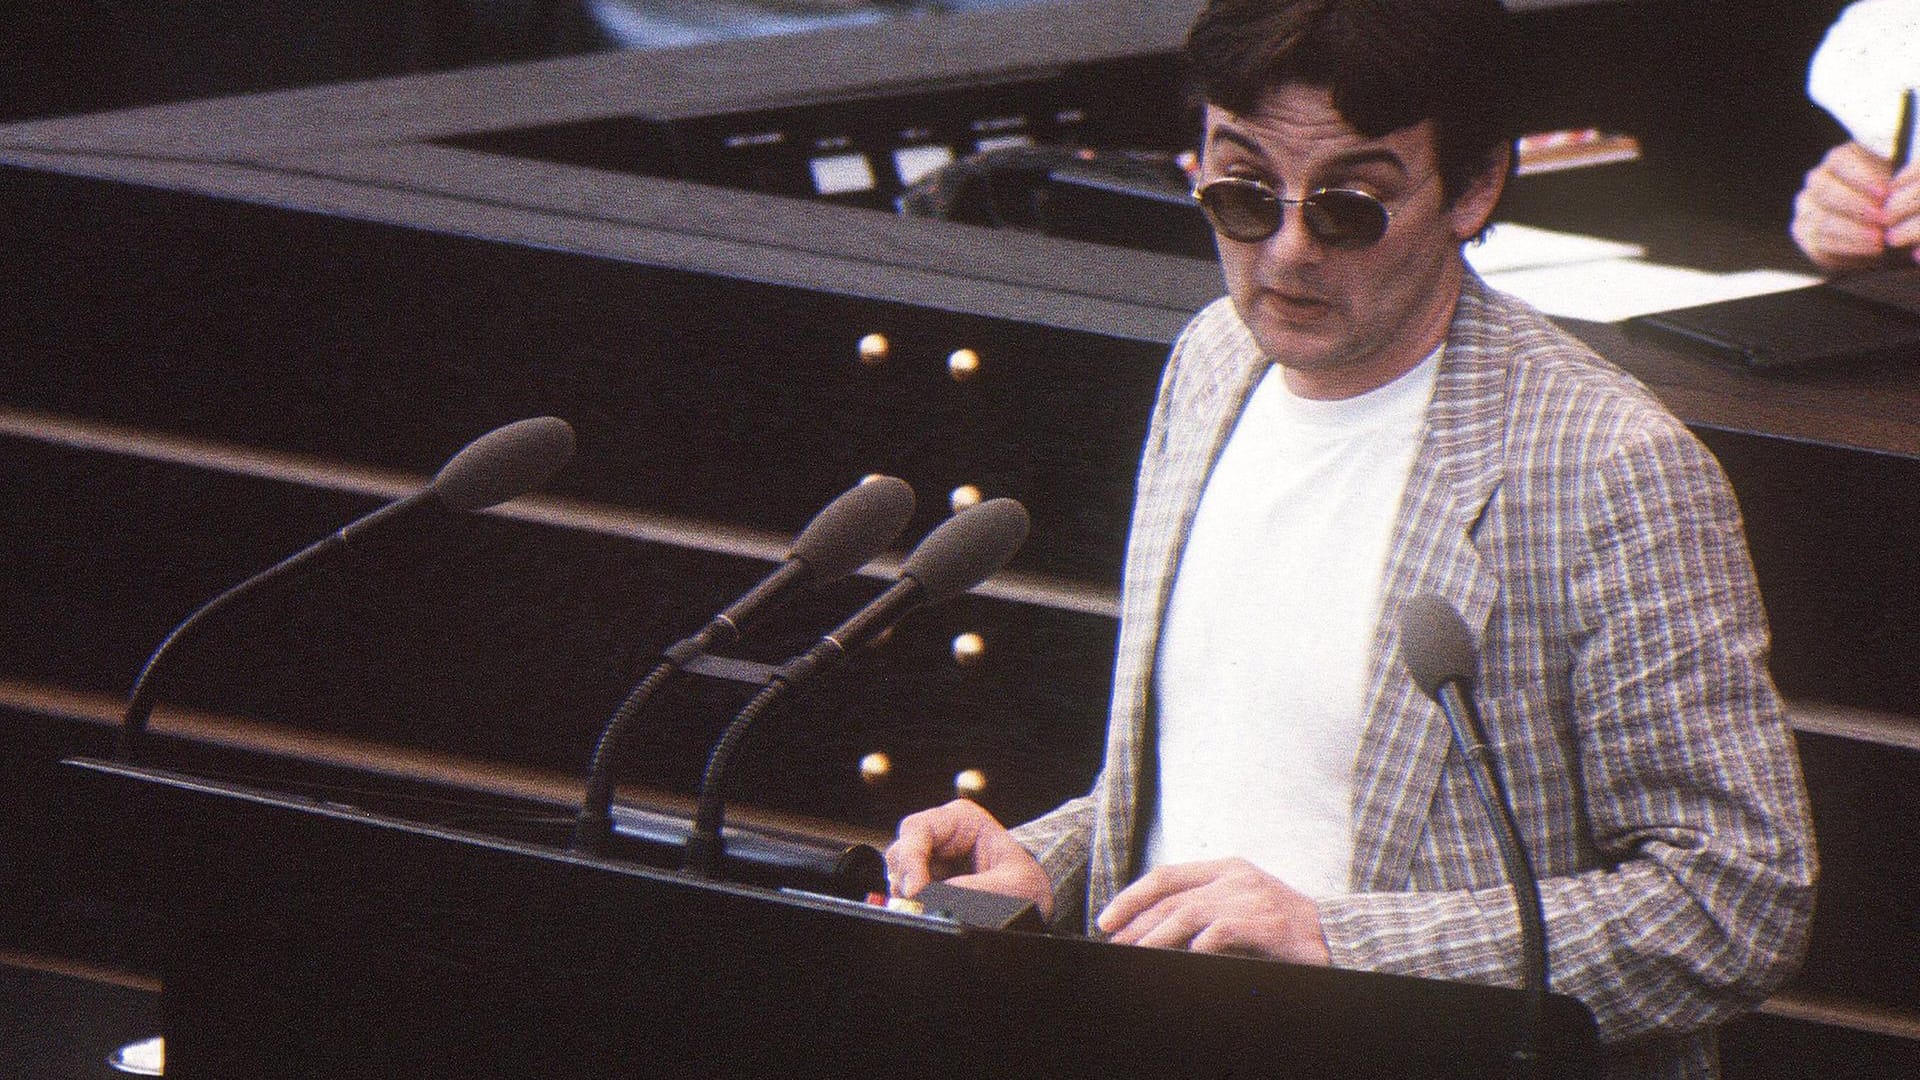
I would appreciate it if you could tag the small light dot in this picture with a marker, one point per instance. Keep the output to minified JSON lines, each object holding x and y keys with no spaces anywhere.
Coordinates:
{"x":874,"y":349}
{"x":875,"y":767}
{"x":963,"y":364}
{"x":969,"y":649}
{"x":964,"y":496}
{"x":968,"y":783}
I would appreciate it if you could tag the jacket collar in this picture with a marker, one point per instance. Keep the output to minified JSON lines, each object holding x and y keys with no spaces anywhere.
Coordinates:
{"x":1456,"y":471}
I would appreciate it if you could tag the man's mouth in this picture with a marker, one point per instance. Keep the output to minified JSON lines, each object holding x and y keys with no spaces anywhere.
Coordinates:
{"x":1298,"y":304}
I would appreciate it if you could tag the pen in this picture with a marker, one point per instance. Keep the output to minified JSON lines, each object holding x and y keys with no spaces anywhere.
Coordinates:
{"x":1902,"y":154}
{"x":1903,"y":133}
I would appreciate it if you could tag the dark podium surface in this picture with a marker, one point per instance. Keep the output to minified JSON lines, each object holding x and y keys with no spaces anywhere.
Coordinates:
{"x":310,"y":938}
{"x":65,"y":1024}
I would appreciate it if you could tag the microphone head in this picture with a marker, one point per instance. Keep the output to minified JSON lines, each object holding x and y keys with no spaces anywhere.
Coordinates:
{"x":1434,"y":644}
{"x":853,"y":528}
{"x":967,"y":548}
{"x":505,"y":462}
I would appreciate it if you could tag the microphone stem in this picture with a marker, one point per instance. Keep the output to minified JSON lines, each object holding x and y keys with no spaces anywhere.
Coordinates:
{"x":140,"y":702}
{"x":724,"y":628}
{"x":1525,"y":1062}
{"x":883,"y":611}
{"x":133,"y":721}
{"x":705,"y":845}
{"x":595,"y":825}
{"x":376,"y":521}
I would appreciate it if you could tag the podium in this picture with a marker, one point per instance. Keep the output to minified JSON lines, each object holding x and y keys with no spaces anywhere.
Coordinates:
{"x":310,"y":938}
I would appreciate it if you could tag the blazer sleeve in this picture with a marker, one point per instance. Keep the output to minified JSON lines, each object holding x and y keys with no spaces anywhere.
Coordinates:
{"x":1689,"y":891}
{"x":1062,"y":841}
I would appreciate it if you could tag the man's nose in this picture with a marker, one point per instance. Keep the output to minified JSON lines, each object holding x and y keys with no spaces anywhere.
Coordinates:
{"x":1293,"y":243}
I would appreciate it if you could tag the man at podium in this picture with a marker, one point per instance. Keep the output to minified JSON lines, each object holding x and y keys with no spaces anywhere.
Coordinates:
{"x":1361,"y":422}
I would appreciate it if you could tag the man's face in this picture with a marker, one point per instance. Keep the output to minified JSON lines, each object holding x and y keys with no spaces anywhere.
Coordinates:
{"x":1342,"y":322}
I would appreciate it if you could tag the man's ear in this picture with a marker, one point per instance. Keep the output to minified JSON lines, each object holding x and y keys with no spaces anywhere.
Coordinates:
{"x":1469,"y":213}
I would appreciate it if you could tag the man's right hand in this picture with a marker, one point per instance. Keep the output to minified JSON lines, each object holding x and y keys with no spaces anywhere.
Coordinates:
{"x":963,"y":845}
{"x":1852,"y":209}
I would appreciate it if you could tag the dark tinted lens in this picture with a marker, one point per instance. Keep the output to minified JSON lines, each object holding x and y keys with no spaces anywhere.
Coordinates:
{"x":1241,"y":210}
{"x":1249,"y":212}
{"x":1344,"y":219}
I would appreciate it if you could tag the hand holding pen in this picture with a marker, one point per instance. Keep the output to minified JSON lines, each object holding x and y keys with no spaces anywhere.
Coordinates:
{"x":1858,"y":210}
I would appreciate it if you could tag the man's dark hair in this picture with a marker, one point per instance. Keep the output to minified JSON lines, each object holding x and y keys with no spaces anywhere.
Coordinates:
{"x":1388,"y":64}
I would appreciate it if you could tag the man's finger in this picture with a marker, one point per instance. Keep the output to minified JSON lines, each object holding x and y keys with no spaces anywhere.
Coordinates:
{"x":907,"y":869}
{"x":933,"y":840}
{"x":1859,"y":169}
{"x":1156,"y":886}
{"x":1181,"y":918}
{"x":910,"y":857}
{"x":1138,"y":925}
{"x":1834,"y":197}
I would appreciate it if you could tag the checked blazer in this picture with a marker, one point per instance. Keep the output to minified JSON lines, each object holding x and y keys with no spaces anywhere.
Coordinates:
{"x":1594,"y":549}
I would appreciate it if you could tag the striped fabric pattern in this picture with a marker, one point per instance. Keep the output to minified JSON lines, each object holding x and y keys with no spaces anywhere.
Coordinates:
{"x":1595,"y":551}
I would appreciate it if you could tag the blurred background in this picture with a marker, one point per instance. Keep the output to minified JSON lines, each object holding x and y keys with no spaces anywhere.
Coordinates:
{"x":86,"y":55}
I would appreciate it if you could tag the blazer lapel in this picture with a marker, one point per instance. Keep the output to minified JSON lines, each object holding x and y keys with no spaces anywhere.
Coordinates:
{"x":1405,"y":739}
{"x":1171,"y":483}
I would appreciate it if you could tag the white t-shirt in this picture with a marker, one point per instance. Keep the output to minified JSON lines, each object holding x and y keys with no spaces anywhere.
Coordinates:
{"x":1262,"y":668}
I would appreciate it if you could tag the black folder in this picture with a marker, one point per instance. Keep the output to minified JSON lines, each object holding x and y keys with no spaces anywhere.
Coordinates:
{"x":1868,"y":318}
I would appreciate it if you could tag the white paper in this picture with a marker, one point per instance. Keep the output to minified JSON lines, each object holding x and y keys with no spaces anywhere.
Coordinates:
{"x":1869,"y":58}
{"x":1512,"y":246}
{"x":1608,"y":290}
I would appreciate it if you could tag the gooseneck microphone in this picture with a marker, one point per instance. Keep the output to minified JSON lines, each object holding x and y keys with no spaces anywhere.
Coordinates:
{"x":839,"y":540}
{"x":505,"y":462}
{"x":1439,"y":654}
{"x":966,"y":549}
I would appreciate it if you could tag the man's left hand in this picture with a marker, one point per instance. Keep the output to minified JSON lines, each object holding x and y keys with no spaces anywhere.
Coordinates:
{"x":1223,"y":906}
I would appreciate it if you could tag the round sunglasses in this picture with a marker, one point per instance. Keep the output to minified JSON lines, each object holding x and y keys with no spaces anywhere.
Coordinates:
{"x":1248,"y":211}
